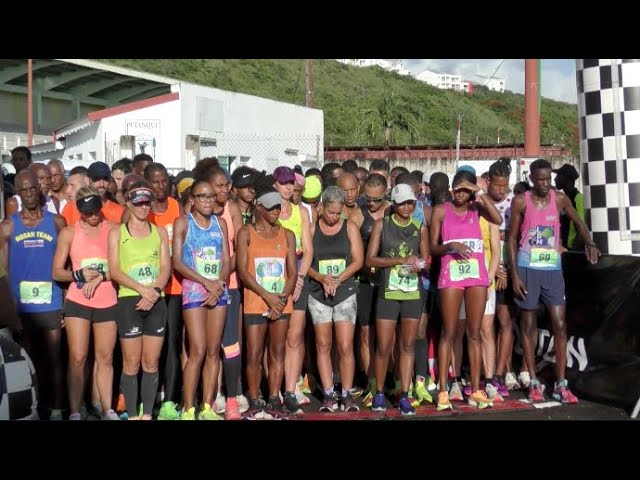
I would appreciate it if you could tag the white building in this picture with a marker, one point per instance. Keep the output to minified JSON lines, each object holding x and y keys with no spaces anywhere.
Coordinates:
{"x":396,"y":66}
{"x":444,"y":81}
{"x":192,"y":122}
{"x":496,"y":84}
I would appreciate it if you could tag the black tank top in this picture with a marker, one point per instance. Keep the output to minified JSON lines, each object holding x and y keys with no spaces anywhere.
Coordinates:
{"x":331,"y":254}
{"x":366,"y":274}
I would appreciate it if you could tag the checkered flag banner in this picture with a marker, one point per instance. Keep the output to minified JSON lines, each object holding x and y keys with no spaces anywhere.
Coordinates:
{"x":18,"y":386}
{"x":609,"y":113}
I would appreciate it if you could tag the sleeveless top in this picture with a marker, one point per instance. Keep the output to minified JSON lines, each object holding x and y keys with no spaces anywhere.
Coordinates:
{"x":294,"y":223}
{"x":267,"y":263}
{"x":166,"y":220}
{"x":400,"y":241}
{"x":139,"y":258}
{"x":540,"y":236}
{"x":226,"y":214}
{"x":331,"y":255}
{"x":456,"y":272}
{"x":504,"y":207}
{"x":91,"y":252}
{"x":31,"y":251}
{"x":368,"y":275}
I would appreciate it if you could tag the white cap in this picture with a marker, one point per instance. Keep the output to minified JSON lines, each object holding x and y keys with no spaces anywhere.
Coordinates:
{"x":402,"y":193}
{"x":426,"y":177}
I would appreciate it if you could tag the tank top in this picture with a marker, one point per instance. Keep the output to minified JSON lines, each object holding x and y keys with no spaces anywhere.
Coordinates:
{"x":139,"y":258}
{"x":504,"y":207}
{"x":370,"y":275}
{"x":31,"y":251}
{"x":400,"y":241}
{"x":166,"y":220}
{"x":294,"y":223}
{"x":331,"y":255}
{"x":85,"y":252}
{"x":202,"y":252}
{"x":267,"y":263}
{"x":455,"y":272}
{"x":226,"y":214}
{"x":540,"y":235}
{"x":485,"y":229}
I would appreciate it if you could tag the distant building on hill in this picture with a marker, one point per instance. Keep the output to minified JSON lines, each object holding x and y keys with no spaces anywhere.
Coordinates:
{"x":445,"y":81}
{"x":396,"y":66}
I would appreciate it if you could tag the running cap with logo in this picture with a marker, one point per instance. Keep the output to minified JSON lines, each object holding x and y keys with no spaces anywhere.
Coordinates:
{"x":312,"y":188}
{"x":88,"y":204}
{"x":284,"y":175}
{"x":402,"y":193}
{"x":243,"y":177}
{"x":269,"y":200}
{"x":141,"y":195}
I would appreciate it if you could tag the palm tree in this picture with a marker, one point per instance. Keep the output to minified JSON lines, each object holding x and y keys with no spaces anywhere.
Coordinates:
{"x":389,"y":115}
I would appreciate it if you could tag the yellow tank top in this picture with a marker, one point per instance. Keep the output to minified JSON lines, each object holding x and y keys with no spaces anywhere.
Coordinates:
{"x":294,"y":223}
{"x":486,"y":243}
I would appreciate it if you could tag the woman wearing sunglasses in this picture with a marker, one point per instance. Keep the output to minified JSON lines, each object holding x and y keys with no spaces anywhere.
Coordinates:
{"x":91,"y":300}
{"x":204,"y":264}
{"x":139,"y":262}
{"x":457,"y":238}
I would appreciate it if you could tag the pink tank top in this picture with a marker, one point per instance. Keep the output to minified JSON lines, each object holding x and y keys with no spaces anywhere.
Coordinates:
{"x":455,"y":272}
{"x":540,"y":235}
{"x":87,"y":251}
{"x":226,"y":214}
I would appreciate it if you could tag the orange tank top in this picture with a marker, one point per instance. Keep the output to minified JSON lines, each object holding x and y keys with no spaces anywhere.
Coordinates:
{"x":226,"y":214}
{"x":166,"y":219}
{"x":86,"y":251}
{"x":267,"y":263}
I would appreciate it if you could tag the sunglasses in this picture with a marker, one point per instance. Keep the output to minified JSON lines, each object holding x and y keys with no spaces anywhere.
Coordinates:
{"x":374,"y":199}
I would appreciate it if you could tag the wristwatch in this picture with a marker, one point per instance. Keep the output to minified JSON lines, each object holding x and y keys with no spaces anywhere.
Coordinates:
{"x":283,"y":299}
{"x":158,"y":289}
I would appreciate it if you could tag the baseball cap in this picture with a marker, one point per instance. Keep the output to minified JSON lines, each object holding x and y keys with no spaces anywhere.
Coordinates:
{"x":269,"y":200}
{"x":466,"y":168}
{"x":568,"y":171}
{"x":402,"y":193}
{"x":98,"y":171}
{"x":425,"y":177}
{"x":312,"y":188}
{"x":140,"y":195}
{"x":284,"y":175}
{"x":184,"y":184}
{"x":90,"y":203}
{"x":300,"y":180}
{"x":243,"y":177}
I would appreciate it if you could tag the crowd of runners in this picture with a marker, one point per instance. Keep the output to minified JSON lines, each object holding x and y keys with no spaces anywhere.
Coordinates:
{"x":208,"y":295}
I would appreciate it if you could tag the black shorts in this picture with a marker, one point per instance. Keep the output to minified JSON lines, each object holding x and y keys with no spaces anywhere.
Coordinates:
{"x":367,"y":295}
{"x":133,"y":323}
{"x":545,"y":286}
{"x":255,"y":319}
{"x":44,"y":320}
{"x":505,"y":297}
{"x":94,"y":315}
{"x":395,"y":309}
{"x":301,"y":304}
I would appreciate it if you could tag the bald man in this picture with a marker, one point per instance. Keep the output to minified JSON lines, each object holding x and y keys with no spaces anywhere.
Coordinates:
{"x":348,"y":183}
{"x":43,"y":175}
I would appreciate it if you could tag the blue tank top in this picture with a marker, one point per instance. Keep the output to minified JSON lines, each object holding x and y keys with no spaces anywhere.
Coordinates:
{"x":202,"y":250}
{"x":31,"y":253}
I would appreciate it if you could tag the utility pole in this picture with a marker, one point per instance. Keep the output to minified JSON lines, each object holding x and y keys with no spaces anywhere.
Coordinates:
{"x":29,"y":102}
{"x":459,"y":125}
{"x":308,"y":70}
{"x":499,"y":135}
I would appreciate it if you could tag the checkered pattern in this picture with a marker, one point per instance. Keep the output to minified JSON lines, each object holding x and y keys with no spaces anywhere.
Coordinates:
{"x":18,"y":393}
{"x":598,"y":149}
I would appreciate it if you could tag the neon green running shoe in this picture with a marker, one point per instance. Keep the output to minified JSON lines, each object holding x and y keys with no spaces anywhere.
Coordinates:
{"x":421,"y":393}
{"x":207,"y":413}
{"x":168,"y":411}
{"x":189,"y":414}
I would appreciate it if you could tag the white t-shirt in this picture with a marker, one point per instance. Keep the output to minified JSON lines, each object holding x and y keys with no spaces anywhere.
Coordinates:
{"x":49,"y":206}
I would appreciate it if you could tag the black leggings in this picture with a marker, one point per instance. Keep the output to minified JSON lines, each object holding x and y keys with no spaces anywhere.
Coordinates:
{"x":232,"y":359}
{"x":170,"y":365}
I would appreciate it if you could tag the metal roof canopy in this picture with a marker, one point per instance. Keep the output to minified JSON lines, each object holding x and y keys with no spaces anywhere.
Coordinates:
{"x":82,"y":81}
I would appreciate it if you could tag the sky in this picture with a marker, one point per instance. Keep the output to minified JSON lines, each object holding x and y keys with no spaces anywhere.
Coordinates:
{"x":558,"y":76}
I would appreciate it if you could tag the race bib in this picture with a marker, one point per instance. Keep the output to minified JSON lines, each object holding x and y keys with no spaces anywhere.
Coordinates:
{"x":543,"y":257}
{"x":170,"y":235}
{"x":36,"y":293}
{"x":98,"y":264}
{"x":209,"y":269}
{"x":270,"y":273}
{"x":334,"y":266}
{"x":464,"y":269}
{"x":398,"y":281}
{"x":144,"y":273}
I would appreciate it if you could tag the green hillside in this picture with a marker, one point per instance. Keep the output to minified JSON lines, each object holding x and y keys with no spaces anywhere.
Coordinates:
{"x":345,"y":92}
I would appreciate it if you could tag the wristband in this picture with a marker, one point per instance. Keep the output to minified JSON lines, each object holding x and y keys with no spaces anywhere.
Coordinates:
{"x":158,"y":289}
{"x":78,"y":276}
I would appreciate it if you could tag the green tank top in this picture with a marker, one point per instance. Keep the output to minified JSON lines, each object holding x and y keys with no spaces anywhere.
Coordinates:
{"x":139,"y":258}
{"x":294,"y":223}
